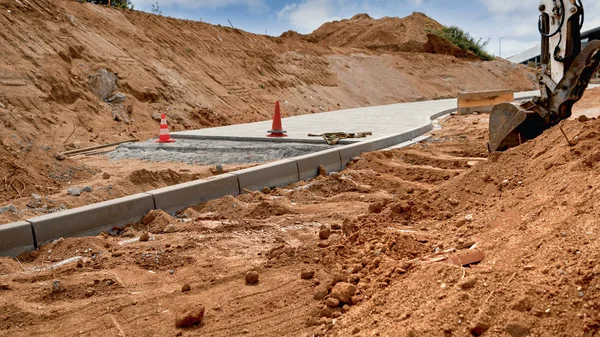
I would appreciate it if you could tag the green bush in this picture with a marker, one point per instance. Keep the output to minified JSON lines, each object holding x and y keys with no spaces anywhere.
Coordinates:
{"x":465,"y":41}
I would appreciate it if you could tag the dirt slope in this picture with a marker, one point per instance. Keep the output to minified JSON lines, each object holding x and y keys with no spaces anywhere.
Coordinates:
{"x":74,"y":75}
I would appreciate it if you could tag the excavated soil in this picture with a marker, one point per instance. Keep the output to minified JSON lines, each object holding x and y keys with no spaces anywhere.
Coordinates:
{"x":74,"y":75}
{"x":364,"y":252}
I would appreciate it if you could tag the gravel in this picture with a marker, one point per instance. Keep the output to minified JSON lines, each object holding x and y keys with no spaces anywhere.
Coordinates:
{"x":215,"y":152}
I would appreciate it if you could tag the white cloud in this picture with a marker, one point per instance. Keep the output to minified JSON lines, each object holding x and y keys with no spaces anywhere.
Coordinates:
{"x":308,"y":15}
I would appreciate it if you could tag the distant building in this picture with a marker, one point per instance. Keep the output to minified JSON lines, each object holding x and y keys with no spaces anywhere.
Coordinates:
{"x":533,"y":54}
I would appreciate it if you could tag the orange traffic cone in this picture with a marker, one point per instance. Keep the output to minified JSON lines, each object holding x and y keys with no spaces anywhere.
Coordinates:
{"x":164,"y":136}
{"x":277,"y":129}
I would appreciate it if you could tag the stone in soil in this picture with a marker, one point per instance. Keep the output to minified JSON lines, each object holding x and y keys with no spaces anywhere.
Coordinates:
{"x":468,"y":282}
{"x":320,"y":292}
{"x":518,"y":329}
{"x":171,"y":228}
{"x":74,"y":191}
{"x":57,"y":287}
{"x":332,"y":303}
{"x":307,"y":274}
{"x":251,"y":278}
{"x":8,"y":208}
{"x":145,"y":237}
{"x":88,"y":189}
{"x":60,"y":156}
{"x":190,"y":316}
{"x":343,"y":292}
{"x":35,"y":201}
{"x":105,"y":176}
{"x":185,"y":288}
{"x":324,"y":233}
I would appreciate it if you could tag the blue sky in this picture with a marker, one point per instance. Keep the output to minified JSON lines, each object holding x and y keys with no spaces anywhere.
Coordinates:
{"x":514,"y":20}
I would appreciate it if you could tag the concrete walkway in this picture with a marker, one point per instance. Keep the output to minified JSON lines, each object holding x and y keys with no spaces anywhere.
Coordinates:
{"x":382,"y":120}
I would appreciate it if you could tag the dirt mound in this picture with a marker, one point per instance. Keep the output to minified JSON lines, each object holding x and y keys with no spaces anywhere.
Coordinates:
{"x":409,"y":34}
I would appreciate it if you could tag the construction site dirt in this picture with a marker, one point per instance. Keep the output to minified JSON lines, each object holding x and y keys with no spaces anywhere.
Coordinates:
{"x":439,"y":238}
{"x":366,"y":251}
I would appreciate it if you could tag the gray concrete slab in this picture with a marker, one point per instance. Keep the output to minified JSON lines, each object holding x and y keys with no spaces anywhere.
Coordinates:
{"x":382,"y":120}
{"x":308,"y":165}
{"x":16,"y":238}
{"x":278,"y":174}
{"x":92,"y":219}
{"x":175,"y":198}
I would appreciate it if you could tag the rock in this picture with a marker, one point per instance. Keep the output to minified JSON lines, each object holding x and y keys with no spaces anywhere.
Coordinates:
{"x":102,"y":83}
{"x":74,"y":191}
{"x":170,"y":228}
{"x":356,"y":299}
{"x":35,"y":201}
{"x":307,"y":274}
{"x":251,"y":278}
{"x":105,"y":176}
{"x":336,"y":227}
{"x":34,"y":254}
{"x":266,"y":190}
{"x":79,"y":263}
{"x":8,"y":208}
{"x":57,"y":287}
{"x":518,"y":329}
{"x":583,"y":118}
{"x":87,"y":189}
{"x":355,"y":330}
{"x":144,"y":237}
{"x":324,"y":233}
{"x":479,"y":327}
{"x":322,"y":171}
{"x":156,"y":116}
{"x":287,"y":250}
{"x":336,"y":314}
{"x":190,"y":317}
{"x":320,"y":292}
{"x":119,"y":97}
{"x":332,"y":303}
{"x":343,"y":292}
{"x":186,"y":287}
{"x":60,"y":156}
{"x":468,"y":282}
{"x":505,"y":183}
{"x":453,"y":202}
{"x":469,"y":218}
{"x":522,"y":304}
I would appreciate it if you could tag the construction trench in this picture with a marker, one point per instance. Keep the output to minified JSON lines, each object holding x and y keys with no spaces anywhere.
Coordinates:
{"x":407,"y":232}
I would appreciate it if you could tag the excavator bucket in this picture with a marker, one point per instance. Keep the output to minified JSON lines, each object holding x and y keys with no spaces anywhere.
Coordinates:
{"x":512,"y":124}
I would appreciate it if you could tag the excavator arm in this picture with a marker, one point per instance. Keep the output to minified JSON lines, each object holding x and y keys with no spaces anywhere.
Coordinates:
{"x":566,"y":73}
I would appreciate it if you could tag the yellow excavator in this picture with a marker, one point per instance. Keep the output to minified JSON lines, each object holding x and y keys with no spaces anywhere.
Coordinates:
{"x":566,"y":71}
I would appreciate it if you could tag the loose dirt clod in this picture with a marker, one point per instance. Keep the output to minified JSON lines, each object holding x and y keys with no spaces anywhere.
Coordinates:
{"x":186,"y":287}
{"x":324,"y":232}
{"x":518,"y":329}
{"x":57,"y":286}
{"x":144,"y":237}
{"x":191,"y":316}
{"x":307,"y":274}
{"x":251,"y":278}
{"x":332,"y":302}
{"x":343,"y":292}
